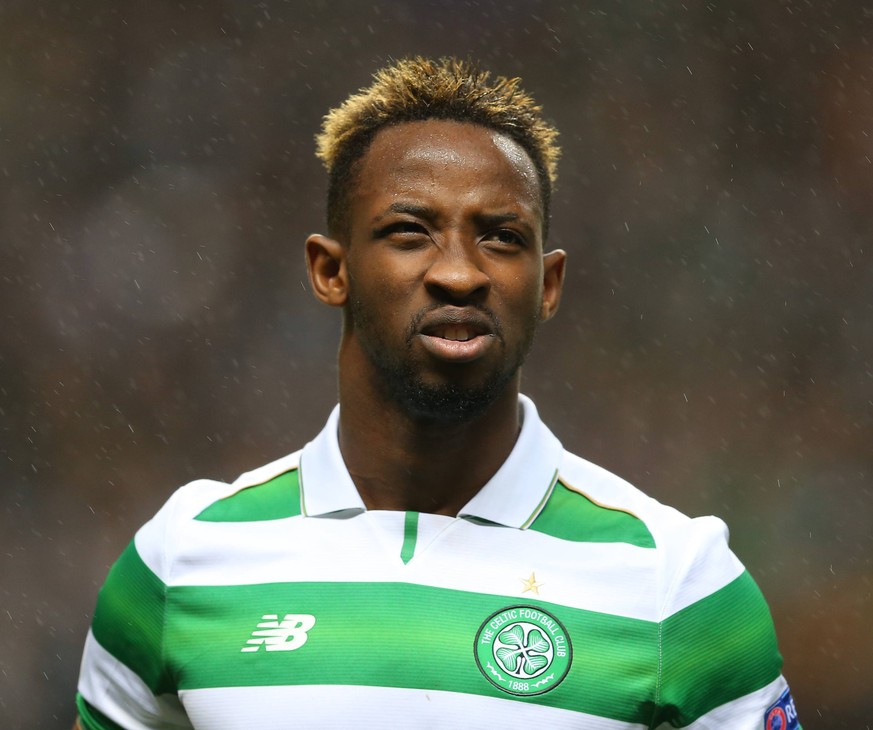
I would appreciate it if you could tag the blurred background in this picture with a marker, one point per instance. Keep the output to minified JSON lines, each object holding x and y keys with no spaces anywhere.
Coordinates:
{"x":715,"y":344}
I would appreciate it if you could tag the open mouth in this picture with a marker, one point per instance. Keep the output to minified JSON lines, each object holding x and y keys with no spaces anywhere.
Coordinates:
{"x":457,"y":335}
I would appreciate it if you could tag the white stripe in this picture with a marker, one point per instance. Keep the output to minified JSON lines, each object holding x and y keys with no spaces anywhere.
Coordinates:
{"x":323,"y":707}
{"x":453,"y":553}
{"x":122,"y":696}
{"x":707,"y":564}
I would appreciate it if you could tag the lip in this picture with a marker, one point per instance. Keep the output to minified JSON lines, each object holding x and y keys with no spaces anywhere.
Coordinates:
{"x":457,"y":350}
{"x":479,"y":329}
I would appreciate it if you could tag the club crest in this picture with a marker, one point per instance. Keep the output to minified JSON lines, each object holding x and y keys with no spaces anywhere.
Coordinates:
{"x":523,"y":650}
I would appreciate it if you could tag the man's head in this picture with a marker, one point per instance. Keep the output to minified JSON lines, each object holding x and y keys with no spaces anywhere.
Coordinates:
{"x":418,"y":89}
{"x":438,"y":263}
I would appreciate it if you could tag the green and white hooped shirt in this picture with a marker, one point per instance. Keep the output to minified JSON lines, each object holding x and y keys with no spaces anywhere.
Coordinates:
{"x":560,"y":597}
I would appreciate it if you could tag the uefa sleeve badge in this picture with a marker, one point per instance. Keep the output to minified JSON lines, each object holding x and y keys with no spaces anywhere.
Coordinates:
{"x":781,"y":715}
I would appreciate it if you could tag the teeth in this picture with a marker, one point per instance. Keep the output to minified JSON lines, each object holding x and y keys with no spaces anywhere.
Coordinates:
{"x":459,"y":334}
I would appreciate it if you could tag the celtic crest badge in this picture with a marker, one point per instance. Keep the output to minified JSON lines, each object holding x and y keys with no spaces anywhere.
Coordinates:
{"x":523,"y":650}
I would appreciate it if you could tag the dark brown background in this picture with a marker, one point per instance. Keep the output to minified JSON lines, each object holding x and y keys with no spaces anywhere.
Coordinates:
{"x":715,"y":345}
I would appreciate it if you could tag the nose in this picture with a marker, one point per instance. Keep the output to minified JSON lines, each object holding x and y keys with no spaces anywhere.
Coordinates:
{"x":456,"y":275}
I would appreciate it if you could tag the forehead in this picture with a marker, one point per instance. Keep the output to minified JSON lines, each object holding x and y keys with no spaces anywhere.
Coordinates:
{"x":458,"y":159}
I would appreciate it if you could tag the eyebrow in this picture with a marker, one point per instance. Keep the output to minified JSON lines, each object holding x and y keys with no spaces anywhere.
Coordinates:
{"x":490,"y":220}
{"x":419,"y":211}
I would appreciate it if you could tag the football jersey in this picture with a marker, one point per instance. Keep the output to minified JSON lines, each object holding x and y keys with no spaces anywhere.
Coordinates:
{"x":559,"y":597}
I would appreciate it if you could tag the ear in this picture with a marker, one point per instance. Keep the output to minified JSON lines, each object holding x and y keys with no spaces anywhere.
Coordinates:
{"x":328,"y":274}
{"x":553,"y":282}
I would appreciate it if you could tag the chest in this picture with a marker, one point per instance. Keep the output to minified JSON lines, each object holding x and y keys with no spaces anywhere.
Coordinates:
{"x":427,"y":616}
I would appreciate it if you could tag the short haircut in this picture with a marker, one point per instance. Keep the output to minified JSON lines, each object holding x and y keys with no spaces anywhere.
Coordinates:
{"x":417,"y":89}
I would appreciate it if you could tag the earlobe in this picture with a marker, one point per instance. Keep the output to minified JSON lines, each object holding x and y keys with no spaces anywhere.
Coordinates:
{"x":326,"y":265}
{"x":553,"y":282}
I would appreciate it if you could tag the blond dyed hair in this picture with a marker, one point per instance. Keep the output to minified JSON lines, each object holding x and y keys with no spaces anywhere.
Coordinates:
{"x":417,"y":89}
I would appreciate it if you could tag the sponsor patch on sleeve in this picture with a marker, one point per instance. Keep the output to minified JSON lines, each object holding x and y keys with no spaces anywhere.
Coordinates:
{"x":781,"y":715}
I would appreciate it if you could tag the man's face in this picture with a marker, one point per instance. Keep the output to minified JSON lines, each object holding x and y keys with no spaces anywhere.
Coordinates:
{"x":445,"y":266}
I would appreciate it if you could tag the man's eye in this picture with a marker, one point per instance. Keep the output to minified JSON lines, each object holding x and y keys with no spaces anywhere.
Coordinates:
{"x":401,"y":228}
{"x":505,"y":236}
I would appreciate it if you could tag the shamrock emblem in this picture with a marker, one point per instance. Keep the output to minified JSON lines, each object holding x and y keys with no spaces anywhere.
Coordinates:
{"x":520,"y":657}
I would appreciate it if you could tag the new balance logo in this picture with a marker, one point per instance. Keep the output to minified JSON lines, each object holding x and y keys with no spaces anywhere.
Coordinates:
{"x":286,"y":635}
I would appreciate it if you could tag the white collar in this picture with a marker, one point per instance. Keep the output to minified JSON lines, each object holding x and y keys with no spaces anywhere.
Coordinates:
{"x":512,"y":497}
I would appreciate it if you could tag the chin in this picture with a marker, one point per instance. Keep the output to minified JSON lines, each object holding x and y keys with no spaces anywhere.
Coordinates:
{"x":447,"y":403}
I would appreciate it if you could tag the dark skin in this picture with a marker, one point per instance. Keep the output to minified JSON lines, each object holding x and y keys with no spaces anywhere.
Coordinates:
{"x":441,"y":270}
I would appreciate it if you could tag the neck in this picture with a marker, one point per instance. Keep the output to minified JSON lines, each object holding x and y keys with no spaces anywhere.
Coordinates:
{"x":401,"y":463}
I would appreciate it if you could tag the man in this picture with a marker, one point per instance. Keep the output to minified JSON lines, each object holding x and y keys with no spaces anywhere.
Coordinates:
{"x":433,"y":558}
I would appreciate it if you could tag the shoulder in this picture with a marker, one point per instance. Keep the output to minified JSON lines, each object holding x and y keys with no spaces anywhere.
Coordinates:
{"x":609,"y":491}
{"x":192,"y":500}
{"x":693,"y":556}
{"x":205,"y":500}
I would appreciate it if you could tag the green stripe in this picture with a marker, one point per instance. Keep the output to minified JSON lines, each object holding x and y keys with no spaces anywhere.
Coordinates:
{"x":129,"y":618}
{"x":273,"y":500}
{"x":716,"y":650}
{"x":400,"y":635}
{"x":570,"y":515}
{"x":410,"y":535}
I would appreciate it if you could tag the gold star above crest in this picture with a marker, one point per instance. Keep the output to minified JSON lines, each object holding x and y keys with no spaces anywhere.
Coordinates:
{"x":530,"y":584}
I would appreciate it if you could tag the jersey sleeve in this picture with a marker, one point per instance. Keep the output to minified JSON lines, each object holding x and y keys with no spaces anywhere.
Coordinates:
{"x":719,"y":661}
{"x":124,"y":680}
